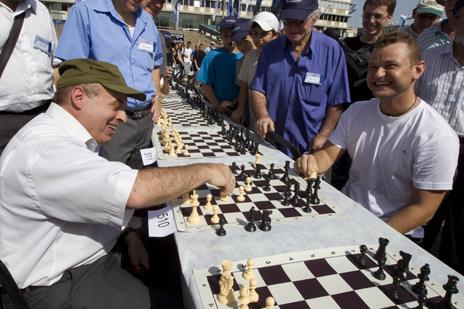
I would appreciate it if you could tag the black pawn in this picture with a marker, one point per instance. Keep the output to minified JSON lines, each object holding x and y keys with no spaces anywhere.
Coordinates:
{"x":421,"y":298}
{"x":315,"y":196}
{"x":296,"y":192}
{"x":241,"y":176}
{"x":234,"y":167}
{"x":382,"y":250}
{"x":267,"y":182}
{"x":271,"y":171}
{"x":396,"y":285}
{"x":450,"y":288}
{"x":423,"y":277}
{"x":258,"y":171}
{"x":285,"y":178}
{"x":379,"y":273}
{"x":287,"y":194}
{"x":362,"y":256}
{"x":265,"y":224}
{"x":221,"y":231}
{"x":251,"y":226}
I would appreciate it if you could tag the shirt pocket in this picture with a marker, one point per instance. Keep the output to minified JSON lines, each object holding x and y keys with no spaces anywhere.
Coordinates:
{"x":315,"y":94}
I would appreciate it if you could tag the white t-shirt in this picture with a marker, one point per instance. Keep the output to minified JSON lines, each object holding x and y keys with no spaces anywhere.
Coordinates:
{"x":187,"y":53}
{"x":391,"y":155}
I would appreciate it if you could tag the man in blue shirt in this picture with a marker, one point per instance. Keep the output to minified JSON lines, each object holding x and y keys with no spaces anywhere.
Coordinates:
{"x":218,"y":70}
{"x":119,"y":32}
{"x":301,"y":82}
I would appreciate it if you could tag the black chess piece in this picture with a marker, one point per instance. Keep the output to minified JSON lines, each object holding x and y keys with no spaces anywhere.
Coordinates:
{"x":451,"y":288}
{"x":315,"y":195}
{"x":396,"y":285}
{"x":307,"y":207}
{"x":234,"y":167}
{"x":286,"y":199}
{"x":242,"y":175}
{"x":379,"y":273}
{"x":265,"y":224}
{"x":402,"y":266}
{"x":296,"y":192}
{"x":285,"y":178}
{"x":421,"y":297}
{"x":423,"y":277}
{"x":382,"y":250}
{"x":267,"y":182}
{"x":362,"y":256}
{"x":271,"y":171}
{"x":251,"y":226}
{"x":258,"y":171}
{"x":221,"y":231}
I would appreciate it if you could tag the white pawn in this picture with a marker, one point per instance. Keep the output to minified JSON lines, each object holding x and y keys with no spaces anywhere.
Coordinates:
{"x":208,"y":205}
{"x":224,"y":198}
{"x":248,"y":184}
{"x":258,"y":158}
{"x":194,"y":217}
{"x":172,"y":151}
{"x":244,"y":297}
{"x":215,"y":217}
{"x":186,"y":152}
{"x":194,"y":198}
{"x":270,"y":302}
{"x":226,"y":283}
{"x":241,"y":195}
{"x":254,"y":297}
{"x":186,"y":199}
{"x":248,"y":273}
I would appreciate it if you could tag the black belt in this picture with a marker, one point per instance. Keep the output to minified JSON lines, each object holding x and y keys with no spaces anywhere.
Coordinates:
{"x":35,"y":111}
{"x":138,"y":113}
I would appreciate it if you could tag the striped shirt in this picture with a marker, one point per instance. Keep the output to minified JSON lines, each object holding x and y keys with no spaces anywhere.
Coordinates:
{"x":432,"y":37}
{"x":442,"y":85}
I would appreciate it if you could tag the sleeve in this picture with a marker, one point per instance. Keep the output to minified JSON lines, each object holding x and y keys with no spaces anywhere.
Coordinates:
{"x":339,"y":91}
{"x":339,"y":136}
{"x":435,"y":163}
{"x":158,"y":48}
{"x":74,"y":40}
{"x":243,"y":73}
{"x":259,"y":81}
{"x":73,"y":184}
{"x":206,"y":73}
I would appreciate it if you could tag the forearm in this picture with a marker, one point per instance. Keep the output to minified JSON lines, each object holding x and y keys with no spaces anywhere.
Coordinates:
{"x":156,"y":77}
{"x":258,"y":104}
{"x":331,"y":120}
{"x":210,"y":95}
{"x":159,"y":185}
{"x":165,"y":88}
{"x":243,"y":95}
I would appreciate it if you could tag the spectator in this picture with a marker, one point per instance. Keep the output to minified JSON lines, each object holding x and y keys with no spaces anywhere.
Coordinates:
{"x":426,"y":14}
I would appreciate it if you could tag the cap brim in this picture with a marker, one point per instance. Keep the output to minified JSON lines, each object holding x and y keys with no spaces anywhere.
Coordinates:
{"x":130,"y":92}
{"x":238,"y":37}
{"x":432,"y":11}
{"x":262,"y":24}
{"x":297,"y":14}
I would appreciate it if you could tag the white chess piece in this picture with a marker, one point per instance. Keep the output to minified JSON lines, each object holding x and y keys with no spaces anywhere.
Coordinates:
{"x":248,"y":273}
{"x":186,"y":152}
{"x":270,"y":302}
{"x":244,"y":297}
{"x":226,"y":283}
{"x":241,"y":195}
{"x":224,"y":198}
{"x":194,"y":198}
{"x":186,"y":199}
{"x":248,"y":184}
{"x":258,"y":158}
{"x":254,"y":297}
{"x":208,"y":205}
{"x":215,"y":217}
{"x":194,"y":217}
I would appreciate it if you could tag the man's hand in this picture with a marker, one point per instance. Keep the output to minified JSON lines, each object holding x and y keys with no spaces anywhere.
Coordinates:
{"x":318,"y":141}
{"x":306,"y":165}
{"x":155,"y":108}
{"x":227,"y":106}
{"x":168,"y":74}
{"x":138,"y":256}
{"x":222,"y":177}
{"x":238,"y":115}
{"x":263,"y":125}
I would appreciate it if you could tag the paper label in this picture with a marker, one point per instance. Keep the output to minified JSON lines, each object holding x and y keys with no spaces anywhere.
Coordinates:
{"x":161,"y":222}
{"x":43,"y":44}
{"x":145,"y":46}
{"x":312,"y":78}
{"x":149,"y":156}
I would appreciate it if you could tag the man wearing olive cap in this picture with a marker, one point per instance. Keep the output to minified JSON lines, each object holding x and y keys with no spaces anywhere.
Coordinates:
{"x":62,"y":207}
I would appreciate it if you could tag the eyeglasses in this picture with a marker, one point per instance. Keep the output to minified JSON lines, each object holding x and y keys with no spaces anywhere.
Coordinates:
{"x":377,"y":17}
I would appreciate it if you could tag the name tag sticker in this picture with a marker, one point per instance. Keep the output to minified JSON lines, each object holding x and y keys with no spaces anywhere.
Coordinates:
{"x":312,"y":78}
{"x":145,"y":46}
{"x":149,"y":156}
{"x":43,"y":44}
{"x":161,"y":222}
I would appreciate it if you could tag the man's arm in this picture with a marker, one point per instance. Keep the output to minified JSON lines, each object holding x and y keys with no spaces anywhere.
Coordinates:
{"x":319,"y":161}
{"x":156,"y":100}
{"x":238,"y":115}
{"x":424,"y":204}
{"x":329,"y":124}
{"x":211,"y":96}
{"x":264,"y":122}
{"x":159,"y":185}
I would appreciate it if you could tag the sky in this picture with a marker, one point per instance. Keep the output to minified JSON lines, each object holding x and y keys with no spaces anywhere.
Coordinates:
{"x":403,"y":7}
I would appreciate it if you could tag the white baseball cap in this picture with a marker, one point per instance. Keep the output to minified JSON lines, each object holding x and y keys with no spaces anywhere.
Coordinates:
{"x":266,"y":20}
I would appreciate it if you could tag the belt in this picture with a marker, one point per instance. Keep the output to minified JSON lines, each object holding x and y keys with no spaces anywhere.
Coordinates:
{"x":35,"y":111}
{"x":138,"y":113}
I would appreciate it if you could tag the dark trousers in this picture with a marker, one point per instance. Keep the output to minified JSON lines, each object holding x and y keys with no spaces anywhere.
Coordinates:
{"x":10,"y":123}
{"x":102,"y":284}
{"x":451,"y":250}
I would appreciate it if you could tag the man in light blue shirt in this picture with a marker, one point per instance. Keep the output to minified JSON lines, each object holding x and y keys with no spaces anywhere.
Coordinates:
{"x":301,"y":81}
{"x":119,"y":32}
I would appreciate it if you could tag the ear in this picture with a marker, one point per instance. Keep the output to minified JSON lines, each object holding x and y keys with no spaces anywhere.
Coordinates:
{"x":78,"y":97}
{"x":388,"y":20}
{"x":418,"y":70}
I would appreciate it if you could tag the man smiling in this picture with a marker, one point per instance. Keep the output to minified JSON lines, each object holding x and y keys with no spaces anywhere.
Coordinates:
{"x":404,"y":153}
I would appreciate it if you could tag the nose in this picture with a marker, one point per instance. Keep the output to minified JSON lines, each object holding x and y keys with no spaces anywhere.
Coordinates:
{"x":121,"y":116}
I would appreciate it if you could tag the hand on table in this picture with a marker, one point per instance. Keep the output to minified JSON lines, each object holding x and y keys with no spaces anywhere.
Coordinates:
{"x":222,"y":177}
{"x":263,"y":125}
{"x":155,"y":108}
{"x":307,"y":165}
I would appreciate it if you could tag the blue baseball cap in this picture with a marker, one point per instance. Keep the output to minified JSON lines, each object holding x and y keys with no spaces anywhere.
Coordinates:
{"x":298,"y":9}
{"x":227,"y":22}
{"x":459,"y":4}
{"x":240,"y":30}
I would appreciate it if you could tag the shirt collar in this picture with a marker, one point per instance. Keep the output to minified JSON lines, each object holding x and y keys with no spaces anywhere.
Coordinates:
{"x":72,"y":126}
{"x":23,"y":6}
{"x":108,"y":6}
{"x":312,"y":42}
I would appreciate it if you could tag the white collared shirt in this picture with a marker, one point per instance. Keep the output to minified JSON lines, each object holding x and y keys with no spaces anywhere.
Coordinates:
{"x":28,"y":76}
{"x":61,"y":205}
{"x":442,"y":85}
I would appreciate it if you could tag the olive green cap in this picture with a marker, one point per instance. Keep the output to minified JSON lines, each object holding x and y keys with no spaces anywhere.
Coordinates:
{"x":86,"y":71}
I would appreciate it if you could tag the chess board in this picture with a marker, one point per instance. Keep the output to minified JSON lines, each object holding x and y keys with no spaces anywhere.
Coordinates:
{"x":200,"y":144}
{"x":322,"y":279}
{"x":176,"y":104}
{"x":188,"y":119}
{"x":236,"y":214}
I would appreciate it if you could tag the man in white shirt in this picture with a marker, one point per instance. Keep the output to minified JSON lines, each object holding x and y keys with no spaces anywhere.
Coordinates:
{"x":404,"y":153}
{"x":62,"y":206}
{"x":26,"y":85}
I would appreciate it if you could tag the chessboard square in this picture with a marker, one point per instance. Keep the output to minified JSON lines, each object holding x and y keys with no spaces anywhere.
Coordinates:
{"x":236,"y":218}
{"x":350,"y":300}
{"x":280,"y":188}
{"x":186,"y":211}
{"x":285,"y":293}
{"x":334,"y":284}
{"x":357,"y":280}
{"x":273,"y":196}
{"x":297,"y":271}
{"x":310,"y":288}
{"x":368,"y":261}
{"x":296,"y":305}
{"x":194,"y":151}
{"x":341,"y":264}
{"x":207,"y":219}
{"x":390,"y":269}
{"x":257,"y":197}
{"x":264,"y":205}
{"x":246,"y":199}
{"x":404,"y":296}
{"x":325,"y":302}
{"x":228,"y":208}
{"x":374,"y":298}
{"x":320,"y":267}
{"x":202,"y":146}
{"x":263,"y":293}
{"x":289,"y":212}
{"x":273,"y":274}
{"x":245,"y":207}
{"x":209,"y":154}
{"x":323,"y":209}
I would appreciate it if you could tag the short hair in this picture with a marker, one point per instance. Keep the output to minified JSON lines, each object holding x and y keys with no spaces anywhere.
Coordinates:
{"x":391,"y":4}
{"x":401,"y":37}
{"x":91,"y":90}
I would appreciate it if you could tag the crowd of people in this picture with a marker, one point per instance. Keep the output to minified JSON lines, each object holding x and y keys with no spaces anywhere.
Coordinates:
{"x":383,"y":110}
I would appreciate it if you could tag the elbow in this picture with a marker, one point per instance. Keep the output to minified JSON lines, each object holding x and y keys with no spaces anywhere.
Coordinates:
{"x":135,"y":201}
